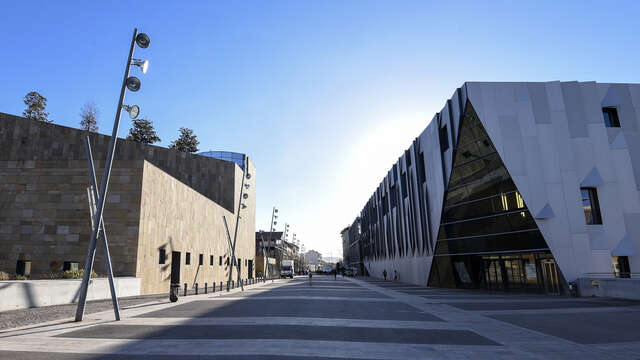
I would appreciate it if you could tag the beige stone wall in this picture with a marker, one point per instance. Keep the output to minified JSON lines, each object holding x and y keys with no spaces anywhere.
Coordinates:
{"x":157,"y":197}
{"x":175,"y":217}
{"x":44,"y":210}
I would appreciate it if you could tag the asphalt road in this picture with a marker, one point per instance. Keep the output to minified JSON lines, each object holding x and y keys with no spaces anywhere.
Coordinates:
{"x":342,"y":318}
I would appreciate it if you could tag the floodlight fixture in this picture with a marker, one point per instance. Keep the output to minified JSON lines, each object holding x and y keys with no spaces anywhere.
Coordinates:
{"x":245,"y":196}
{"x":142,"y":64}
{"x":143,"y":40}
{"x":133,"y":110}
{"x":246,"y":186}
{"x":244,"y":206}
{"x":276,"y":211}
{"x":133,"y":83}
{"x":275,"y":223}
{"x":248,"y":176}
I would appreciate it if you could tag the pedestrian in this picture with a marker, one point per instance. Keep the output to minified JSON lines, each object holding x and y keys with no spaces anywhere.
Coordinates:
{"x":395,"y":275}
{"x":384,"y":273}
{"x":310,"y":276}
{"x":335,"y":274}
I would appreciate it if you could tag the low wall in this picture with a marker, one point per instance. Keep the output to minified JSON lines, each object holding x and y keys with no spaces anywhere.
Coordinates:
{"x":610,"y":287}
{"x":23,"y":294}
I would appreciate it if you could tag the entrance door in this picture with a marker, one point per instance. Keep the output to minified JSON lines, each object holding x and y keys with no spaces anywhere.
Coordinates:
{"x":515,"y":273}
{"x":550,"y":276}
{"x":493,"y":274}
{"x":175,"y":267}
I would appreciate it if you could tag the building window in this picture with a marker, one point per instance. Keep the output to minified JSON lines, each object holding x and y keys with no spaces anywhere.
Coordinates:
{"x":220,"y":261}
{"x":444,"y":138}
{"x":211,"y":260}
{"x":200,"y":259}
{"x":70,"y":265}
{"x":591,"y":206}
{"x":162,"y":256}
{"x":621,"y":266}
{"x":188,"y":259}
{"x":610,"y":115}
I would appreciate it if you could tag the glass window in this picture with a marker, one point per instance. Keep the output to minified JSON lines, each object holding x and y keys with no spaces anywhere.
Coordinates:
{"x":591,"y":206}
{"x":70,"y":265}
{"x":220,"y":261}
{"x":200,"y":259}
{"x":162,"y":258}
{"x":621,"y":267}
{"x":504,"y":223}
{"x":187,"y":259}
{"x":211,"y":260}
{"x":610,"y":115}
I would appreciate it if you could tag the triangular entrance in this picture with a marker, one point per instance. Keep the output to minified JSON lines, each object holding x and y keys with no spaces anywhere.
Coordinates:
{"x":487,"y":236}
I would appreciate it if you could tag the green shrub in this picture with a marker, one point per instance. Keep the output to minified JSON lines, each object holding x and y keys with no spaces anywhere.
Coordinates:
{"x":4,"y":275}
{"x":20,"y":277}
{"x":76,"y":274}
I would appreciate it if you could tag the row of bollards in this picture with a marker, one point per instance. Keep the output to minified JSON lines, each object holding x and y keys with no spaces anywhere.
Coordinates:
{"x":173,"y":294}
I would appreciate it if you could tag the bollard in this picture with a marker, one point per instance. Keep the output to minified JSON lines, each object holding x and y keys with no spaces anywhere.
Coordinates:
{"x":196,"y":288}
{"x":185,"y":289}
{"x":220,"y":285}
{"x":213,"y":287}
{"x":173,"y":293}
{"x":233,"y":283}
{"x":205,"y":288}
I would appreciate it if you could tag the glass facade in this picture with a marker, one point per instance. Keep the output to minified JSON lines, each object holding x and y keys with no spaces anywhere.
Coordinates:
{"x":227,"y":156}
{"x":487,"y":236}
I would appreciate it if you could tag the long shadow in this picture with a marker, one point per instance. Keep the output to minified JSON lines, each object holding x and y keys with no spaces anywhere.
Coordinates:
{"x":257,"y":303}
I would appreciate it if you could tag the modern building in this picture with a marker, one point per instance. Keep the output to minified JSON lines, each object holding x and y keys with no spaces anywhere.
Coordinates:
{"x":516,"y":186}
{"x":163,"y":215}
{"x":351,"y":248}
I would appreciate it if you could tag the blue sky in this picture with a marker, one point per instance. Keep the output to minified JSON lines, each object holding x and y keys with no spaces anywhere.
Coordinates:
{"x":323,"y":96}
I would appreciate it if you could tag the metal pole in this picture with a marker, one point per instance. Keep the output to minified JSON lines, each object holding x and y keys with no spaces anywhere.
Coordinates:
{"x":233,"y":256}
{"x":235,"y":234}
{"x":103,"y":189}
{"x":94,"y":189}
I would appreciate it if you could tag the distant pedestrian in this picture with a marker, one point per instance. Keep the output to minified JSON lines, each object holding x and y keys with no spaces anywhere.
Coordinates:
{"x":395,"y":275}
{"x":335,"y":274}
{"x":310,"y":276}
{"x":384,"y":273}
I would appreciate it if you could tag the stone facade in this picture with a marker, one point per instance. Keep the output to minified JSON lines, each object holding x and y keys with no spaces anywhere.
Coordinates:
{"x":157,"y":197}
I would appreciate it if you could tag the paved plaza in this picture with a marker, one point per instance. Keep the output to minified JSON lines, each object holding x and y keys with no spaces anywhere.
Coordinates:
{"x":342,"y":318}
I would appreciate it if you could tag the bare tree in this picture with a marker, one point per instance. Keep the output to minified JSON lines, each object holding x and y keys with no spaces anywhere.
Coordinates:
{"x":36,"y":105}
{"x":89,"y":115}
{"x":186,"y":142}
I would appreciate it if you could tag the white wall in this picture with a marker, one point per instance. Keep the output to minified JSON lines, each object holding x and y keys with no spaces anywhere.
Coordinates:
{"x":24,"y":294}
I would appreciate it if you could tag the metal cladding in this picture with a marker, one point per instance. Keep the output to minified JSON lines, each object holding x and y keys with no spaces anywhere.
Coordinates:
{"x":552,"y":139}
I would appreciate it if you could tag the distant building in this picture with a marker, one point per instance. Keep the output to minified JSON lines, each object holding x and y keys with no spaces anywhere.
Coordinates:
{"x":351,"y":248}
{"x":313,"y":257}
{"x":163,"y":212}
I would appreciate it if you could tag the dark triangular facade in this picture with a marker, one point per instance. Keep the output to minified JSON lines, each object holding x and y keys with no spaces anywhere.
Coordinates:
{"x":487,"y":236}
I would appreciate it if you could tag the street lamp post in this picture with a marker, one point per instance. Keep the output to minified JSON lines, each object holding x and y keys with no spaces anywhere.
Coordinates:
{"x":133,"y":84}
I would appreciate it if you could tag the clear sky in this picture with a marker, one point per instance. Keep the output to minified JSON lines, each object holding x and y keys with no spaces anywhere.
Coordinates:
{"x":324,"y":96}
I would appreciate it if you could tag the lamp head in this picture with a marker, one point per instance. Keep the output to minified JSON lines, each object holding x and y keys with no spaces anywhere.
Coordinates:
{"x":143,"y":40}
{"x":133,"y":110}
{"x":142,"y":64}
{"x":133,"y":83}
{"x":245,"y":196}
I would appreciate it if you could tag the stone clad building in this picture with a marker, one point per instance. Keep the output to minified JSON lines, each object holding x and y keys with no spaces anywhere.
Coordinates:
{"x":163,"y":213}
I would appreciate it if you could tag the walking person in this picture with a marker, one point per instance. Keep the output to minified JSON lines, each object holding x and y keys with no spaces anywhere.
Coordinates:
{"x":384,"y":273}
{"x":395,"y":275}
{"x":310,"y":276}
{"x":335,"y":274}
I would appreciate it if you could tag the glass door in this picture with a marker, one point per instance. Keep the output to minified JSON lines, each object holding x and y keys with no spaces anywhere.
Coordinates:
{"x":550,"y":276}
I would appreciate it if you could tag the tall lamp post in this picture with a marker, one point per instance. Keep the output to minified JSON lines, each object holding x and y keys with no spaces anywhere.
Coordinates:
{"x":133,"y":84}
